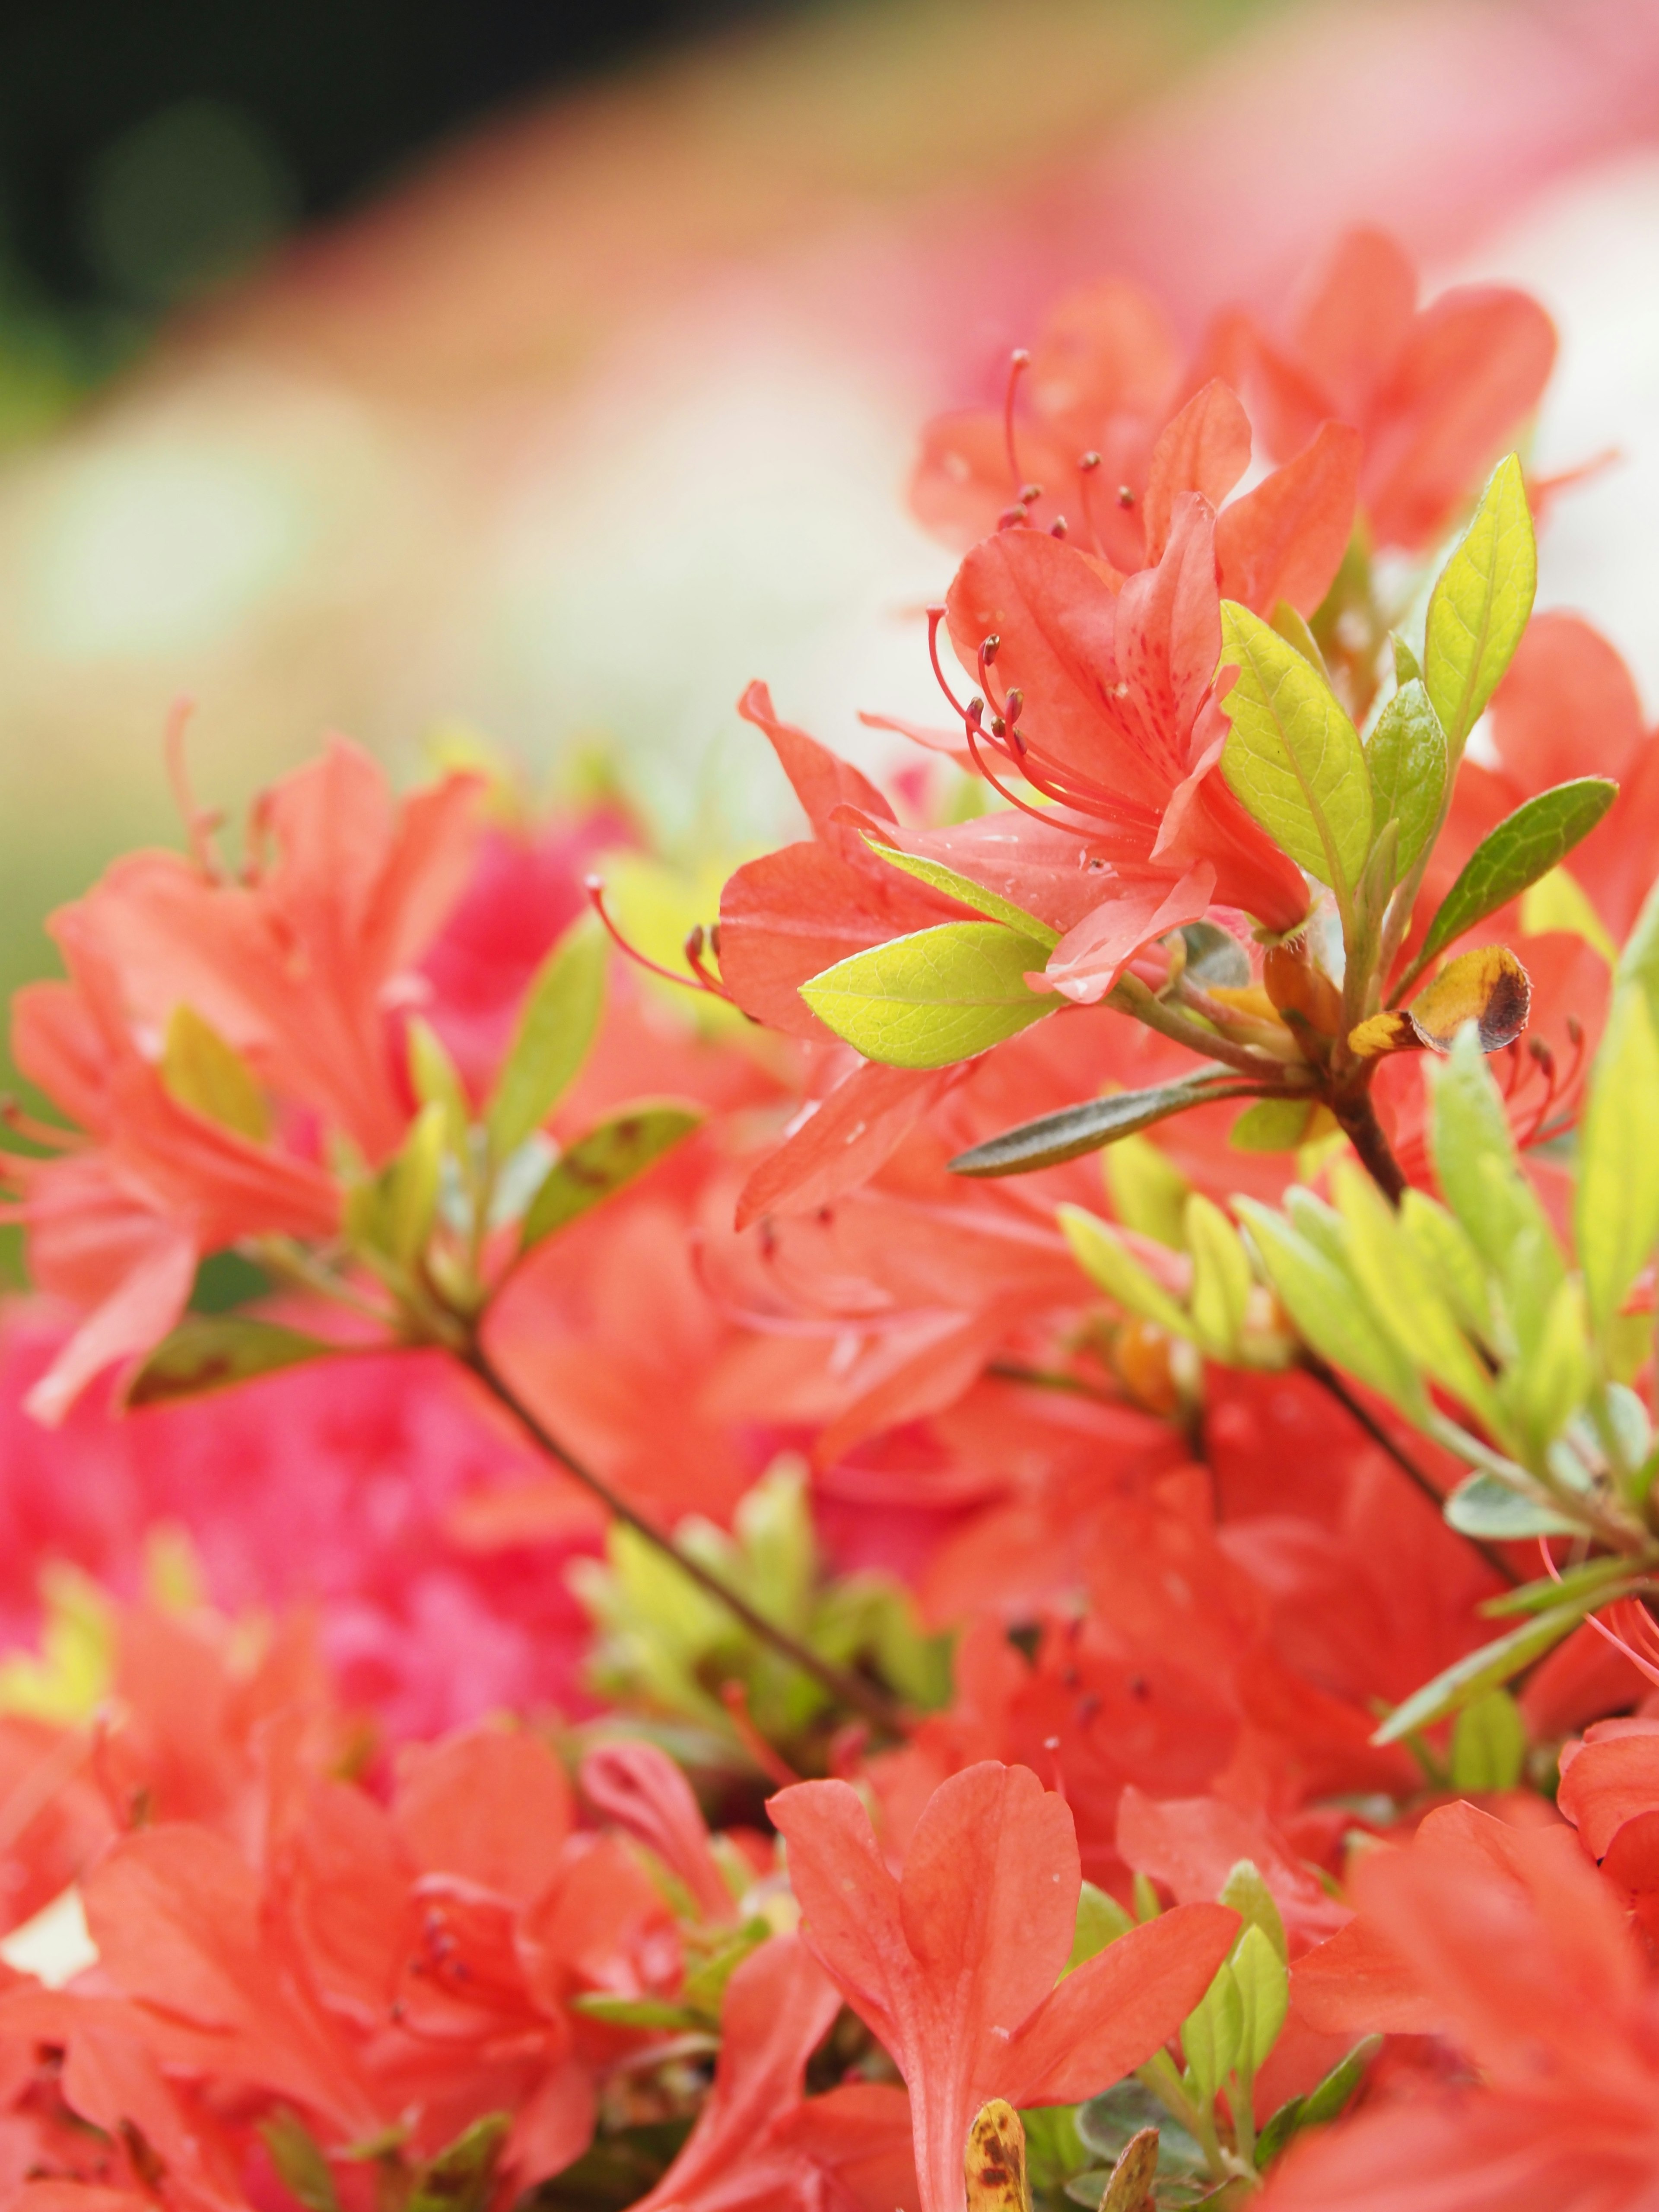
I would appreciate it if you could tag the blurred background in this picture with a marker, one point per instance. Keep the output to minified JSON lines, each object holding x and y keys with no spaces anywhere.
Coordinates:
{"x":427,"y":367}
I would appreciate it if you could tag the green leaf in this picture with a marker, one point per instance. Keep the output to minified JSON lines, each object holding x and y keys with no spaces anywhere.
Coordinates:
{"x":940,"y":996}
{"x":956,"y":886}
{"x":1213,"y":2034}
{"x":609,"y":1157}
{"x":215,"y":1351}
{"x":1264,"y":1996}
{"x":1489,"y":1744}
{"x":1322,"y":2104}
{"x":1148,"y":1191}
{"x":1638,"y":963}
{"x":1547,"y":1387}
{"x":1406,"y":757}
{"x":412,"y":1188}
{"x":1479,"y":605}
{"x":1107,"y":1261}
{"x":1328,"y":2099}
{"x":1452,"y":1264}
{"x":636,"y":2012}
{"x":301,"y":2166}
{"x":1323,"y":1301}
{"x":1108,"y":2123}
{"x":462,"y":2177}
{"x":1292,"y":758}
{"x":1075,"y":1130}
{"x":1221,"y":1277}
{"x":1616,"y":1210}
{"x":1272,"y":1125}
{"x":1403,"y":1294}
{"x":1477,"y":1672}
{"x":437,"y":1081}
{"x":556,"y":1025}
{"x":1486,"y":1507}
{"x":1481,"y":1175}
{"x":1100,"y":1921}
{"x":1249,"y":1896}
{"x":1406,"y":667}
{"x":211,"y":1077}
{"x":1214,"y":955}
{"x":1524,"y":846}
{"x":1600,"y":1581}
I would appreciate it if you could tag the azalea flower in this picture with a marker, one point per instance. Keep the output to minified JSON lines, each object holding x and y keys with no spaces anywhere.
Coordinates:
{"x":955,"y":1964}
{"x":1438,"y":392}
{"x":1503,"y":1940}
{"x":1115,"y":431}
{"x":760,"y":2145}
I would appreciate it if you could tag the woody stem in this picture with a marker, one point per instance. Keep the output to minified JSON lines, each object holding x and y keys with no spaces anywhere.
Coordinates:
{"x":846,"y":1689}
{"x":1358,"y":1118}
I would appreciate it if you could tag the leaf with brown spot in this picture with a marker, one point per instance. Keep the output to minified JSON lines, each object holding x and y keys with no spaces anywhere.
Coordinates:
{"x":994,"y":2164}
{"x":1488,"y":986}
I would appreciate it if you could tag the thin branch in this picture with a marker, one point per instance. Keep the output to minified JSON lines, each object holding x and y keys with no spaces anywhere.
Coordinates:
{"x":1357,"y":1116}
{"x":845,"y":1688}
{"x":1329,"y":1379}
{"x":1129,"y":995}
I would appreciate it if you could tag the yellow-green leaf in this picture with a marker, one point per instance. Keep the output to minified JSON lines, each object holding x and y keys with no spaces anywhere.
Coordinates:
{"x":1292,"y":758}
{"x":437,"y":1082}
{"x":1406,"y":757}
{"x":1212,"y":2034}
{"x":1324,"y":1302}
{"x":956,"y":886}
{"x":1616,"y":1213}
{"x":609,"y":1157}
{"x":941,"y":995}
{"x":211,"y":1077}
{"x":1264,"y":1994}
{"x":1479,"y":605}
{"x":1489,"y":1744}
{"x":556,"y":1025}
{"x":1221,"y":1277}
{"x":1107,"y":1261}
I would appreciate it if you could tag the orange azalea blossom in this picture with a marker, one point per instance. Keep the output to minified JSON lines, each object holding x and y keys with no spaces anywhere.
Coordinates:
{"x":955,"y":1965}
{"x":1115,"y":431}
{"x":1436,"y":393}
{"x":1506,"y":1941}
{"x":759,"y":2144}
{"x":299,"y":967}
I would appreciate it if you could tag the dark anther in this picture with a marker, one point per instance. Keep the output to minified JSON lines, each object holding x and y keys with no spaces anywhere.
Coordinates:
{"x":1125,"y":497}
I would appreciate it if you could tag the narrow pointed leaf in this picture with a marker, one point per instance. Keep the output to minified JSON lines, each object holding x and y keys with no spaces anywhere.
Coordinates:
{"x":609,"y":1157}
{"x":556,"y":1025}
{"x":1325,"y":1303}
{"x":1107,"y":1261}
{"x":993,"y":2161}
{"x":1617,"y":1209}
{"x":1478,"y":1672}
{"x":215,"y":1351}
{"x":1406,"y":757}
{"x":1479,"y":605}
{"x":1524,"y":846}
{"x":1292,"y":758}
{"x":956,"y":886}
{"x":1489,"y":1744}
{"x":1075,"y":1130}
{"x":940,"y":996}
{"x":204,"y":1072}
{"x":1221,"y":1277}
